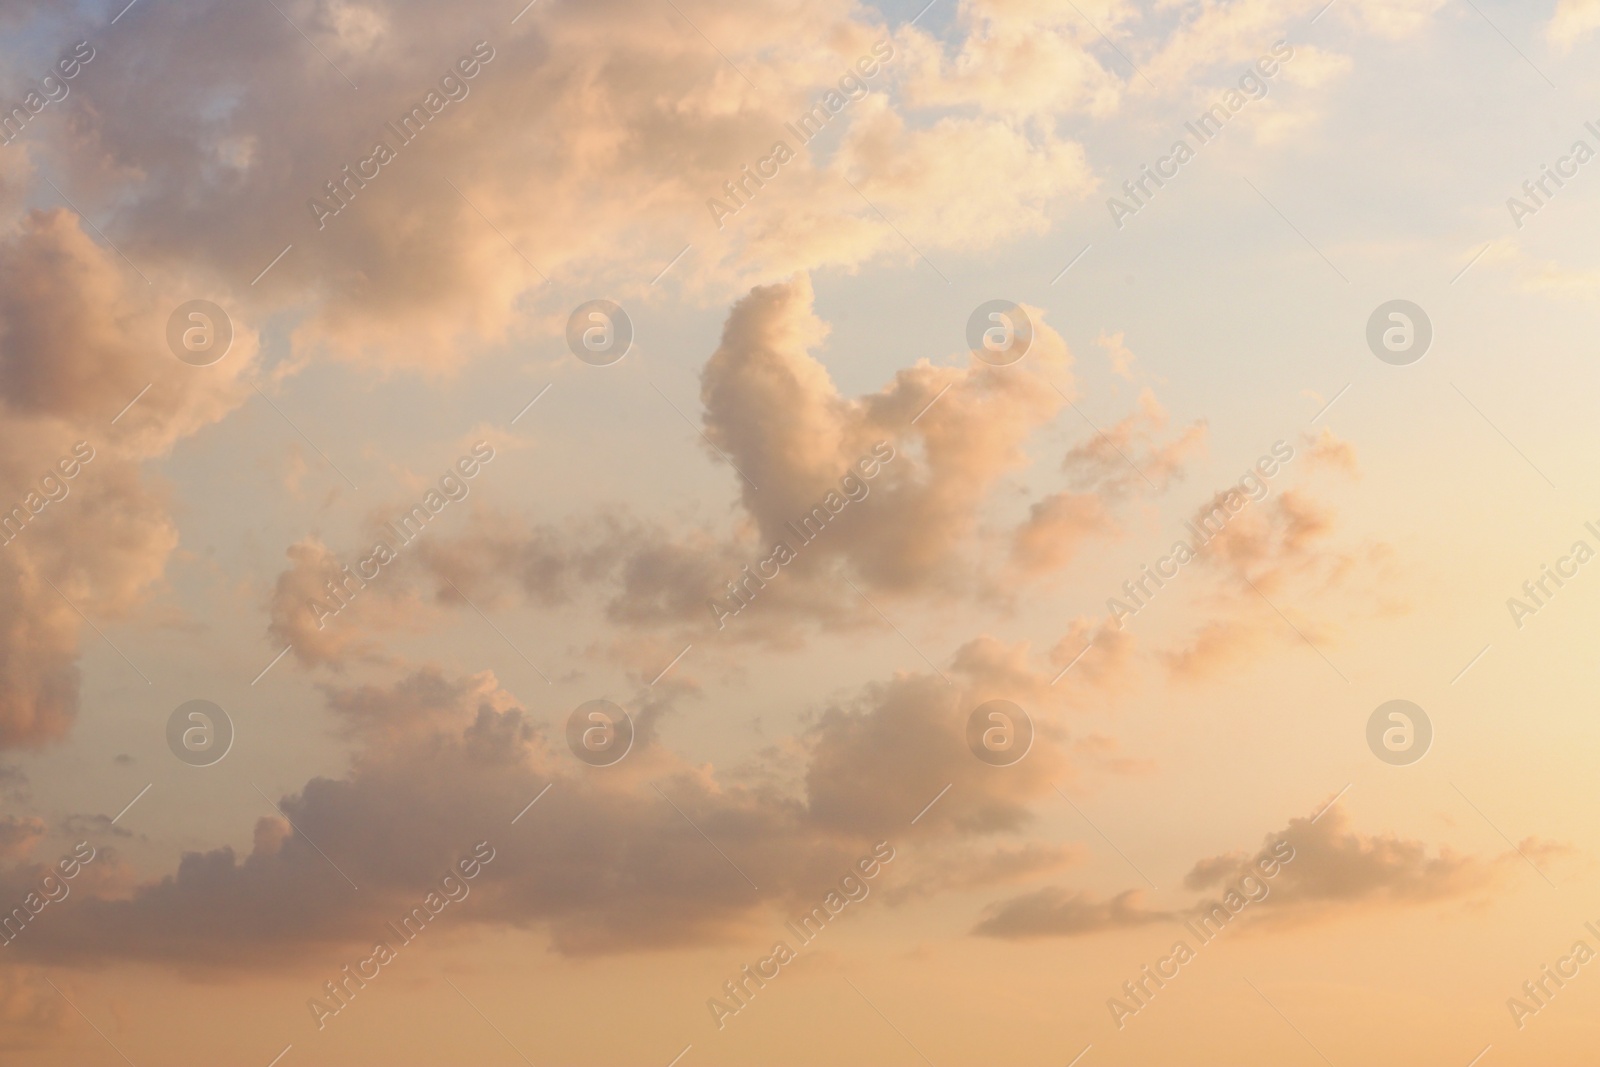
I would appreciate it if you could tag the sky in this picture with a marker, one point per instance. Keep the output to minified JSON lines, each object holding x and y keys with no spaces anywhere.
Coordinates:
{"x":650,"y":532}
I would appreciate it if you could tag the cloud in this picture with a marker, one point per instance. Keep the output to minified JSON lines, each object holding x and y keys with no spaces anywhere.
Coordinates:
{"x":1214,"y":36}
{"x":774,"y":410}
{"x":1019,"y":58}
{"x":80,"y":337}
{"x":1337,"y":870}
{"x":1573,"y":20}
{"x":1280,"y":554}
{"x":318,"y":626}
{"x":619,"y":116}
{"x":1105,"y":468}
{"x":442,"y":249}
{"x":899,"y":743}
{"x":610,"y":860}
{"x":1550,"y":277}
{"x":1268,"y":546}
{"x":443,"y":764}
{"x":1056,"y":912}
{"x":97,"y":827}
{"x":1127,"y":454}
{"x":1056,"y":528}
{"x":1319,"y":868}
{"x":1329,"y":450}
{"x":1269,"y":542}
{"x":97,"y":550}
{"x":1118,"y":353}
{"x":18,"y":836}
{"x":924,"y":179}
{"x":1392,"y":18}
{"x":1093,"y":654}
{"x":445,"y":252}
{"x":884,"y":490}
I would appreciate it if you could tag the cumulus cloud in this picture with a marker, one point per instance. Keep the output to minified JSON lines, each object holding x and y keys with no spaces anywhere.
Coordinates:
{"x":441,"y":247}
{"x":323,"y":628}
{"x":97,"y":550}
{"x":445,"y":250}
{"x":1573,"y":20}
{"x":900,"y":742}
{"x":897,"y":482}
{"x":1319,"y":868}
{"x":1095,"y":655}
{"x":1219,"y":35}
{"x":1021,"y":58}
{"x":81,"y":336}
{"x":1337,"y":869}
{"x":1268,"y":547}
{"x":444,"y":764}
{"x":771,"y":406}
{"x":1281,"y":554}
{"x":924,"y":177}
{"x":1057,"y":527}
{"x":609,"y":860}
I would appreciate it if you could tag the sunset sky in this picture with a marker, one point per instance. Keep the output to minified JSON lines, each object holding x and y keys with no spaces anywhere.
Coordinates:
{"x":790,"y":533}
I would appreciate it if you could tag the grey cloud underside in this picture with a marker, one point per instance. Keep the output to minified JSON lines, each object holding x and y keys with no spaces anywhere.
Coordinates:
{"x":602,"y":864}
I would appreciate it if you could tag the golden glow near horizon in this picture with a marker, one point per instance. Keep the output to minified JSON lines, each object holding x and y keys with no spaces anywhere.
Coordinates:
{"x":958,"y":533}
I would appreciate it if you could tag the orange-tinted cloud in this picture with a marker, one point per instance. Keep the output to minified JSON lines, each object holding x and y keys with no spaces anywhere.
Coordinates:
{"x":1338,"y":870}
{"x":884,"y":490}
{"x":1056,"y":912}
{"x":1315,"y":868}
{"x":81,"y":336}
{"x":610,"y":860}
{"x":1280,"y":554}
